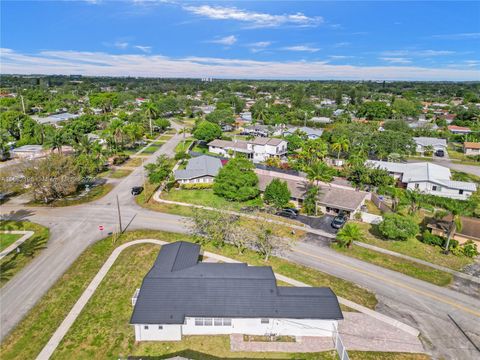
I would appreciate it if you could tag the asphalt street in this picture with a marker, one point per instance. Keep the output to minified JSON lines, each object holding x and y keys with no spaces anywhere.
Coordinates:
{"x":415,"y":302}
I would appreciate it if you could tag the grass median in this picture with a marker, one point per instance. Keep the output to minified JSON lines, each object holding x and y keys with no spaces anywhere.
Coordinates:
{"x":16,"y":261}
{"x":104,"y":331}
{"x":8,"y":239}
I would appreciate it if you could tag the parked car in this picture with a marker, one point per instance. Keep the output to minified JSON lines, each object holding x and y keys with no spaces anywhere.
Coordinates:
{"x":339,"y":220}
{"x":137,"y":190}
{"x":288,"y":213}
{"x":440,"y":153}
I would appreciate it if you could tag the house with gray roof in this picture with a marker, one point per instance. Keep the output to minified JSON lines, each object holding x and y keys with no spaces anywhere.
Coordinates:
{"x":202,"y":169}
{"x":181,"y":295}
{"x":427,"y":178}
{"x":311,"y":133}
{"x":425,"y":142}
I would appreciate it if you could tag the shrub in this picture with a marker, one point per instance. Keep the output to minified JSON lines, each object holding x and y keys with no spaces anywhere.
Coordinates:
{"x":182,"y":155}
{"x":398,"y":227}
{"x":470,"y":249}
{"x":196,"y":186}
{"x":277,"y":193}
{"x":430,"y":239}
{"x":120,"y":159}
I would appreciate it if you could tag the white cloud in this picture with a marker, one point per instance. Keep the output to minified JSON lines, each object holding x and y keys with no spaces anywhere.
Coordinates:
{"x":259,"y":46}
{"x":396,"y":60}
{"x":305,"y":48}
{"x":121,"y":44}
{"x":227,"y":40}
{"x":342,"y":44}
{"x":339,"y":57}
{"x":458,"y":36}
{"x":145,"y":49}
{"x":417,"y":53}
{"x":103,"y":64}
{"x":255,"y":19}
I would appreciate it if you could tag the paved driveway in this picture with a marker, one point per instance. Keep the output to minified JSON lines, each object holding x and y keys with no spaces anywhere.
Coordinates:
{"x":321,"y":223}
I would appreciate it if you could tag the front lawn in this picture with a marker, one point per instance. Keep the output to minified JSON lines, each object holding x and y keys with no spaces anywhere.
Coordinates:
{"x":206,"y":197}
{"x":94,"y":193}
{"x":151,"y":149}
{"x":180,"y":148}
{"x":102,"y":329}
{"x":14,"y":262}
{"x":8,"y":239}
{"x":410,"y":268}
{"x":414,"y":248}
{"x":120,"y":173}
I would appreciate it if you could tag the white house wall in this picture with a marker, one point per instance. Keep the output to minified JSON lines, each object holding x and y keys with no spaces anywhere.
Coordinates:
{"x":427,"y":188}
{"x":149,"y":332}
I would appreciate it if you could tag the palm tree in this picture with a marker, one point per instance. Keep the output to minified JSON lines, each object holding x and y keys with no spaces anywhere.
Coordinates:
{"x":348,"y":234}
{"x":454,"y":224}
{"x":55,"y":140}
{"x":396,"y":194}
{"x":341,"y":144}
{"x":319,"y":171}
{"x":151,"y":111}
{"x":413,"y":198}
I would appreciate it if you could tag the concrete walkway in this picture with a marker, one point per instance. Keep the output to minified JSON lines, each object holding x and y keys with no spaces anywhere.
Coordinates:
{"x":419,"y":261}
{"x":62,"y":330}
{"x":9,"y":249}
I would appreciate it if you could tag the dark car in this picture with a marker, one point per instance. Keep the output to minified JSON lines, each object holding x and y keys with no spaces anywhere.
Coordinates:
{"x":440,"y":153}
{"x":288,"y":213}
{"x":339,"y":220}
{"x":137,"y":190}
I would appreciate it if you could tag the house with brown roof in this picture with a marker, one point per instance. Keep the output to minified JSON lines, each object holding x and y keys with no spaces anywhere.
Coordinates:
{"x":471,"y":148}
{"x":460,"y":130}
{"x":259,"y":149}
{"x":470,"y":229}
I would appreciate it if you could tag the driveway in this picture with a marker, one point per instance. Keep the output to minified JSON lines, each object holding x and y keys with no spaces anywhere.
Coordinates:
{"x":321,"y":223}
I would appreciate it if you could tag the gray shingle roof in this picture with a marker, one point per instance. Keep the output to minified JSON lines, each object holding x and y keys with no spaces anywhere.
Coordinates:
{"x":200,"y":166}
{"x":178,"y":286}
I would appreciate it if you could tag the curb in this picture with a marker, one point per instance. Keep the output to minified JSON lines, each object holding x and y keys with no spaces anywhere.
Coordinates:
{"x":9,"y":249}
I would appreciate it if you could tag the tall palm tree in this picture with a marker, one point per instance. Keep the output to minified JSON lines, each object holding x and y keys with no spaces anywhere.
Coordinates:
{"x":454,"y":224}
{"x":412,"y":197}
{"x":151,"y":111}
{"x":319,"y":171}
{"x":55,"y":140}
{"x":341,"y":144}
{"x":348,"y":234}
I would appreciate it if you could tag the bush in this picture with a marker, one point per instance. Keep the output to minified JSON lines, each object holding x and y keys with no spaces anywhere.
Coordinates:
{"x":120,"y":159}
{"x":196,"y":186}
{"x":277,"y":193}
{"x":470,"y":249}
{"x":430,"y":239}
{"x":182,"y":155}
{"x":398,"y":227}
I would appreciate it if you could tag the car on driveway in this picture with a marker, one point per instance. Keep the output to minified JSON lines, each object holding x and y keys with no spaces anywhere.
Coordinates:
{"x":440,"y":153}
{"x":288,"y":213}
{"x":339,"y":220}
{"x":137,"y":190}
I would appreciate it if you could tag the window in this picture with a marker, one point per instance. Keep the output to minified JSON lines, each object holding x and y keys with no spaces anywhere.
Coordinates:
{"x":218,"y":322}
{"x":417,"y":186}
{"x":227,"y":322}
{"x":207,"y":322}
{"x":434,"y":187}
{"x":146,"y":327}
{"x":198,"y":322}
{"x":160,"y":327}
{"x":460,"y":192}
{"x":265,"y":321}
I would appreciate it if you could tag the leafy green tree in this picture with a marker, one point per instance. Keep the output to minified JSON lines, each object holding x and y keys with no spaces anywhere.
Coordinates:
{"x":348,"y":234}
{"x":295,"y":142}
{"x":105,"y":101}
{"x":159,"y":170}
{"x":222,"y":116}
{"x":237,"y":181}
{"x":340,"y":144}
{"x":397,"y":125}
{"x":207,"y":131}
{"x":403,"y":108}
{"x":56,"y":140}
{"x":162,"y":124}
{"x":277,"y":193}
{"x":319,"y":171}
{"x":398,"y":227}
{"x":312,"y":151}
{"x":374,"y":110}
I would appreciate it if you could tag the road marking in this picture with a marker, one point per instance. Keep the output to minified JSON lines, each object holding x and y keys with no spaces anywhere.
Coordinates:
{"x":399,"y":284}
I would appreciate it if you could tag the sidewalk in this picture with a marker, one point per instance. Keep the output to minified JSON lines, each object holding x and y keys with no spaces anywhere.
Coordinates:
{"x":9,"y":249}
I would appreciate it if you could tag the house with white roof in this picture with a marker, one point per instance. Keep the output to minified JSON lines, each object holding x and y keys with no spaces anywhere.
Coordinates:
{"x":311,"y":133}
{"x":258,"y":149}
{"x":427,"y":178}
{"x":182,"y":295}
{"x":425,"y":142}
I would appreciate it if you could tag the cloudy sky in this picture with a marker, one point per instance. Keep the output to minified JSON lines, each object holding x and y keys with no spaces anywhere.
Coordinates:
{"x":405,"y":40}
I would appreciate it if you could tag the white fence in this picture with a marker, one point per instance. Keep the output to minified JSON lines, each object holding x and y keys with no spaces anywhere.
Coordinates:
{"x":339,"y":346}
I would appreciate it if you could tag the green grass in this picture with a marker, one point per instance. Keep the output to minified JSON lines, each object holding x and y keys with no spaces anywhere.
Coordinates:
{"x":181,"y":148}
{"x":372,"y":208}
{"x":8,"y":239}
{"x":120,"y":173}
{"x":102,"y":330}
{"x":403,"y":266}
{"x":165,"y":137}
{"x":151,"y":149}
{"x":95,"y":193}
{"x":14,"y":262}
{"x":206,"y":197}
{"x":203,"y":150}
{"x":414,"y":248}
{"x":133,"y":162}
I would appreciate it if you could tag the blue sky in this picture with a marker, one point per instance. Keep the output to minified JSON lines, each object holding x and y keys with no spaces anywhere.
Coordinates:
{"x":416,"y":40}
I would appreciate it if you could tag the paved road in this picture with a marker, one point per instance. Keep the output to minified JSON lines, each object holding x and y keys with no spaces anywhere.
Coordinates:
{"x":73,"y":228}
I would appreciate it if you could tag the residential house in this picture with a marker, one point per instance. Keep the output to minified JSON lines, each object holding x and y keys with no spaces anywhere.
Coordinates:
{"x":427,"y":178}
{"x":425,"y":142}
{"x":311,"y":133}
{"x":202,"y":169}
{"x":258,"y":149}
{"x":181,"y":295}
{"x":246,"y":116}
{"x":321,"y":120}
{"x":331,"y":199}
{"x":454,"y":129}
{"x":470,"y":229}
{"x":29,"y":152}
{"x":471,"y":148}
{"x":262,"y":130}
{"x":53,"y":119}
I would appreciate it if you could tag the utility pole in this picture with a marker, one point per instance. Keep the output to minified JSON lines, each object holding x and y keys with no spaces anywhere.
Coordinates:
{"x":119,"y":216}
{"x":23,"y":105}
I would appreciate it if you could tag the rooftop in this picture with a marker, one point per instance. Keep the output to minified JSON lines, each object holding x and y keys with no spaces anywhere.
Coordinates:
{"x":427,"y":141}
{"x":203,"y":165}
{"x":471,"y":145}
{"x":179,"y":286}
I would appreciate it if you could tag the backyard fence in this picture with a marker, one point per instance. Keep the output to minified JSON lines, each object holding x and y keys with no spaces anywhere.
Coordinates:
{"x":339,"y":346}
{"x":380,"y":203}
